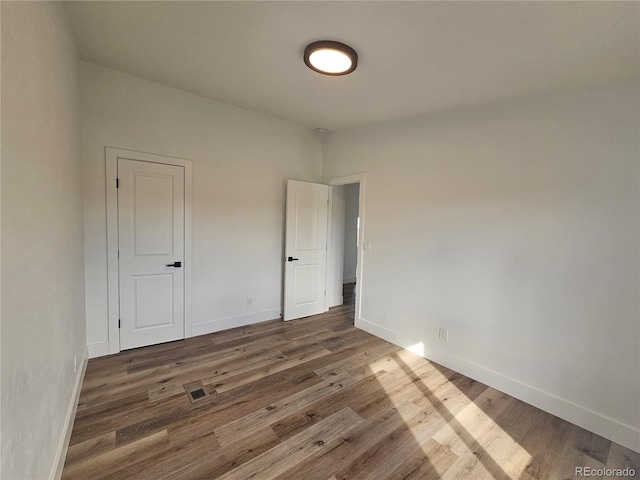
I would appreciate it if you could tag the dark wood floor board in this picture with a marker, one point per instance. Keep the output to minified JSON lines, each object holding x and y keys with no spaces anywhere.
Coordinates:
{"x":277,"y":411}
{"x":362,"y":358}
{"x":120,"y":416}
{"x":81,"y":452}
{"x":160,"y":415}
{"x":109,"y":385}
{"x":340,"y":339}
{"x":222,"y":372}
{"x":281,"y":364}
{"x":246,"y":447}
{"x":142,"y":355}
{"x":94,"y":467}
{"x":229,"y":352}
{"x":184,"y":349}
{"x":255,"y":337}
{"x":356,"y":396}
{"x":112,"y":405}
{"x":568,"y":457}
{"x":246,"y":333}
{"x":310,"y":335}
{"x":621,"y":457}
{"x":200,"y":455}
{"x":220,"y":407}
{"x":209,"y":371}
{"x":352,"y":445}
{"x":189,"y":367}
{"x":595,"y":446}
{"x":380,"y":461}
{"x":312,"y":399}
{"x":543,"y":442}
{"x":310,"y":366}
{"x":287,"y":454}
{"x":108,"y":417}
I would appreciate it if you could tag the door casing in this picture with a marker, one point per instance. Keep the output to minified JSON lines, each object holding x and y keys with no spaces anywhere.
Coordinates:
{"x":363,"y":244}
{"x":111,"y":156}
{"x":359,"y":178}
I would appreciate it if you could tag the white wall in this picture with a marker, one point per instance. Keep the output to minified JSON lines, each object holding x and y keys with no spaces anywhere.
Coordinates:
{"x":351,"y":232}
{"x":43,"y":321}
{"x":516,"y":227}
{"x":241,"y":161}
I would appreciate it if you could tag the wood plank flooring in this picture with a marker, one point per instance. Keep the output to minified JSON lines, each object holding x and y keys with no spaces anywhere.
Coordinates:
{"x":314,"y":398}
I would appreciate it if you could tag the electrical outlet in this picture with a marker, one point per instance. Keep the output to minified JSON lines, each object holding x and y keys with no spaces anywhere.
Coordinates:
{"x":443,"y":334}
{"x":249,"y":302}
{"x":75,"y":363}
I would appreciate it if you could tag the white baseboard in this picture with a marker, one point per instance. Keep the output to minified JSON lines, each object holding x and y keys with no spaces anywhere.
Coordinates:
{"x":98,"y":349}
{"x":63,"y":445}
{"x":349,"y":280}
{"x":335,"y":301}
{"x":233,"y":322}
{"x":610,"y":428}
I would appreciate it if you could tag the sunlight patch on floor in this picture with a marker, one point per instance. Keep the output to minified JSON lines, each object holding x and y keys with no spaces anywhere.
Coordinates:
{"x":474,"y":430}
{"x":469,"y":431}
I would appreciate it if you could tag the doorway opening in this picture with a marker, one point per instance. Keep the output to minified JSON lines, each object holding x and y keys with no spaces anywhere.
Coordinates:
{"x":324,"y":245}
{"x":345,"y":243}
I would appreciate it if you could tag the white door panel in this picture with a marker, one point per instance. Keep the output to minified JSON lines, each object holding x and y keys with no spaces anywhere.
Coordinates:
{"x":306,"y":249}
{"x":305,"y":281}
{"x":152,"y":300}
{"x":150,"y":240}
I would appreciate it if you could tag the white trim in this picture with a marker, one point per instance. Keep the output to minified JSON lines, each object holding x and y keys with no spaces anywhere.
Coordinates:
{"x":63,"y":444}
{"x":360,"y":178}
{"x":625,"y":435}
{"x":220,"y":324}
{"x":98,"y":349}
{"x":335,"y":301}
{"x":111,"y":158}
{"x":328,"y":303}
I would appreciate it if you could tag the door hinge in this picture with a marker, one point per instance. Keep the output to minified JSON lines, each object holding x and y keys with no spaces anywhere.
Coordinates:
{"x":118,"y":323}
{"x":117,"y":183}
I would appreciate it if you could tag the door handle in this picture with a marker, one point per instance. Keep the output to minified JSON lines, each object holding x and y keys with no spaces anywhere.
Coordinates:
{"x":291,"y":259}
{"x":175,"y":264}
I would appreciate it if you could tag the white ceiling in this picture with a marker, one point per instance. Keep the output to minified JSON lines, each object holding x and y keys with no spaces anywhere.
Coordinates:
{"x":415,"y":58}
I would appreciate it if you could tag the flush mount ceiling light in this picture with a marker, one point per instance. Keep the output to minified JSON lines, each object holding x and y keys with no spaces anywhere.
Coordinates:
{"x":330,"y":58}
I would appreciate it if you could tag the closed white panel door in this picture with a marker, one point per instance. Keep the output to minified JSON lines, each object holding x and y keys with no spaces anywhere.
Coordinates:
{"x":151,"y":252}
{"x":306,"y":249}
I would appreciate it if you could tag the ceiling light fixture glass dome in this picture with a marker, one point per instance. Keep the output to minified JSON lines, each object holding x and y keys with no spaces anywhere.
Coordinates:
{"x":330,"y":58}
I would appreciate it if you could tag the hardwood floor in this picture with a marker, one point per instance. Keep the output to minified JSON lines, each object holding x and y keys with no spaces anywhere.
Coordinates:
{"x":313,"y":398}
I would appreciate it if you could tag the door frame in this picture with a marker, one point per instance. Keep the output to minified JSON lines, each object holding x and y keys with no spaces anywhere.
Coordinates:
{"x":113,"y":289}
{"x":361,"y":179}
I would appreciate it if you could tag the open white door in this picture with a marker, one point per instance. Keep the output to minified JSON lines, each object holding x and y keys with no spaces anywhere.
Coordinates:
{"x":305,"y":249}
{"x":151,"y":237}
